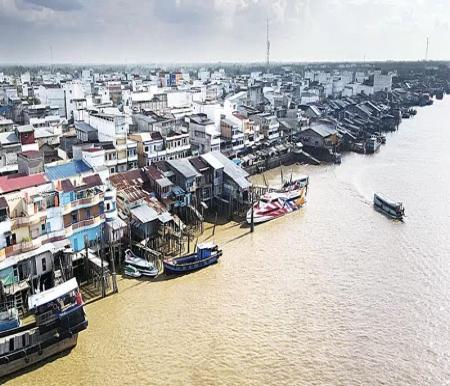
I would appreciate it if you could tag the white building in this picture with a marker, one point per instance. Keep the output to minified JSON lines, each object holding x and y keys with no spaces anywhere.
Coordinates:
{"x":203,"y":133}
{"x":382,"y":82}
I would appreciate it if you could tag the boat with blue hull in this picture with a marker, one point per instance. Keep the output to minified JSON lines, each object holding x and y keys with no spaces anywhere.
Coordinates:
{"x":206,"y":254}
{"x":53,"y":326}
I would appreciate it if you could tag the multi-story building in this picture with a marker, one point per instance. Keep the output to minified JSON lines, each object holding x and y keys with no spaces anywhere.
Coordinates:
{"x":232,"y":137}
{"x":84,"y":201}
{"x":269,"y":125}
{"x":6,"y":125}
{"x":153,"y":147}
{"x":203,"y":133}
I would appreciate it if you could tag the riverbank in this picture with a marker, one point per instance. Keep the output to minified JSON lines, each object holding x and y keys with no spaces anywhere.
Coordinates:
{"x":333,"y":294}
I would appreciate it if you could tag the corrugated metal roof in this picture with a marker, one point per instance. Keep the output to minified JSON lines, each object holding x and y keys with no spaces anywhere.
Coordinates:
{"x":8,"y":138}
{"x":236,"y":173}
{"x":84,"y":127}
{"x":184,"y":167}
{"x":212,"y":161}
{"x":66,"y":170}
{"x":144,"y":213}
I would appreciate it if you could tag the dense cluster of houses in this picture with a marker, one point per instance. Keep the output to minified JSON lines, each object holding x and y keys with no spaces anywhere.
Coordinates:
{"x":88,"y":155}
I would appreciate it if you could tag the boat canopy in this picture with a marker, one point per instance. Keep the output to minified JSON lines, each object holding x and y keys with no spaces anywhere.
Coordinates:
{"x":387,"y":200}
{"x":207,"y":245}
{"x":52,"y":294}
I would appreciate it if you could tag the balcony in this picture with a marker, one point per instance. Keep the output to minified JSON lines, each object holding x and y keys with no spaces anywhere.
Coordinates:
{"x":91,"y":222}
{"x":24,"y":246}
{"x":36,"y":218}
{"x":83,"y":203}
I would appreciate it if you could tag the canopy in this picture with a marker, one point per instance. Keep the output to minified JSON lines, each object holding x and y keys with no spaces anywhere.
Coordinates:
{"x":52,"y":294}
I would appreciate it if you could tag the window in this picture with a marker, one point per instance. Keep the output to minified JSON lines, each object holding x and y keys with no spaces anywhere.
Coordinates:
{"x":146,"y":149}
{"x":74,"y":217}
{"x":44,"y":264}
{"x":108,"y":206}
{"x":112,"y":170}
{"x":43,"y":228}
{"x":88,"y":213}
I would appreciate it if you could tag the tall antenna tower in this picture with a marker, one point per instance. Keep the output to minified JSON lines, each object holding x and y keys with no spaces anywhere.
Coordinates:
{"x":51,"y":59}
{"x":268,"y":47}
{"x":426,"y":51}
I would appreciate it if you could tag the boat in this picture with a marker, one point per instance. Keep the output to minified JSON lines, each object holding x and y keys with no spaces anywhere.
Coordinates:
{"x":56,"y":317}
{"x":389,"y":207}
{"x":143,"y":266}
{"x":358,"y":147}
{"x":9,"y":317}
{"x":131,"y":271}
{"x":277,"y":203}
{"x":206,"y":254}
{"x":372,"y":144}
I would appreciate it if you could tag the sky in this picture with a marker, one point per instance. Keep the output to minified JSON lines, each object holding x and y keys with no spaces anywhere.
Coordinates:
{"x":187,"y":31}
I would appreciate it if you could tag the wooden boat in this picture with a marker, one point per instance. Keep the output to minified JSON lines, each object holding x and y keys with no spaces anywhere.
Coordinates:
{"x":389,"y":207}
{"x":131,"y":271}
{"x":58,"y":318}
{"x":271,"y":205}
{"x":143,"y":266}
{"x":206,"y":254}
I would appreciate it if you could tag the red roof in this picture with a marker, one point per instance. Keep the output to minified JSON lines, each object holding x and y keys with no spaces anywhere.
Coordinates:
{"x":15,"y":182}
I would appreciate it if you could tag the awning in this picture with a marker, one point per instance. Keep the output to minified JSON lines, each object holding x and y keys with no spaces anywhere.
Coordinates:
{"x":144,"y":213}
{"x":165,"y":217}
{"x":52,"y":294}
{"x":13,"y":260}
{"x":116,"y":224}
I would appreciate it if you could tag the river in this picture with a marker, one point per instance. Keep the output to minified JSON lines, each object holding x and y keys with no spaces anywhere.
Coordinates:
{"x":335,"y":294}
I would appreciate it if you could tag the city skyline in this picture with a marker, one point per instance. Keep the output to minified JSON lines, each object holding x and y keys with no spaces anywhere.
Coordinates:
{"x":187,"y":31}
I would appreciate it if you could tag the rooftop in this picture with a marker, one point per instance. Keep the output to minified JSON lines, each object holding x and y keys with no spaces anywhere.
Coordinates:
{"x":15,"y":182}
{"x":69,"y":169}
{"x":184,"y":167}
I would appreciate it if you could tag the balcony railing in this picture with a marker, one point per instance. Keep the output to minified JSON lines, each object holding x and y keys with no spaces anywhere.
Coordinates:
{"x":35,"y":218}
{"x":24,"y":246}
{"x":84,"y":223}
{"x":83,"y":202}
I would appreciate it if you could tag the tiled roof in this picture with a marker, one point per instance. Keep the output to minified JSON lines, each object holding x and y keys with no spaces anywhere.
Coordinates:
{"x":15,"y":182}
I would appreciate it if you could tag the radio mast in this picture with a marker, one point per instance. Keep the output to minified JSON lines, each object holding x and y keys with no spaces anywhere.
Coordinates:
{"x":268,"y":48}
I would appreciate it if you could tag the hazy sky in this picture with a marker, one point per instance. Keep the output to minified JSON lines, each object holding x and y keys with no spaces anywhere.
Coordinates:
{"x":119,"y":31}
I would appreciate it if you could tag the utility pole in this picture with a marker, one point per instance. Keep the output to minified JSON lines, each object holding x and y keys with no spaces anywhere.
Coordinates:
{"x":252,"y":223}
{"x":426,"y":51}
{"x":102,"y":244}
{"x":113,"y":263}
{"x":86,"y":258}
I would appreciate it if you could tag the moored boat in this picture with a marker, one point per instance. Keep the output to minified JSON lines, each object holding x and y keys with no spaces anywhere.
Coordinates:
{"x":277,"y":203}
{"x":131,"y":271}
{"x":57,"y":318}
{"x":143,"y":266}
{"x":389,"y":207}
{"x":372,"y":144}
{"x":206,"y":254}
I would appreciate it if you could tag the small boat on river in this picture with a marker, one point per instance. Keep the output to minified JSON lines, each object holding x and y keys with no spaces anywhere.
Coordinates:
{"x":389,"y":207}
{"x":372,"y":144}
{"x":131,"y":271}
{"x":206,"y":254}
{"x":55,"y":318}
{"x":143,"y":266}
{"x":277,"y":203}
